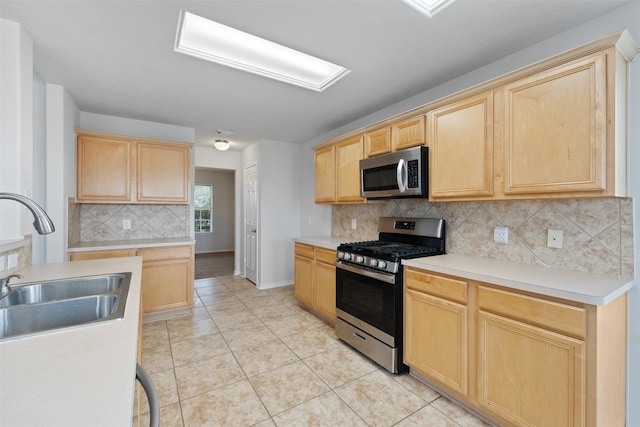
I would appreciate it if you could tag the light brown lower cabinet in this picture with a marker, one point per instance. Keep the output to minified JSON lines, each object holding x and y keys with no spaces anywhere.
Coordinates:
{"x":167,"y":274}
{"x":315,"y":280}
{"x":517,"y":359}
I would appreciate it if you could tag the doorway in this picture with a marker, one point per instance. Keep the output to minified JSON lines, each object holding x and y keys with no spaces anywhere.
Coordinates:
{"x":215,"y":264}
{"x":251,"y":223}
{"x":214,"y":215}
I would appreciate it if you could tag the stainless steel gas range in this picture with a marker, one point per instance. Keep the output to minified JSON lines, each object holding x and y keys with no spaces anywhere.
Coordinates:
{"x":369,"y":284}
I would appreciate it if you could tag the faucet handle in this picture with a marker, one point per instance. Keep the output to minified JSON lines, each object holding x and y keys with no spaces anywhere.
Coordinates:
{"x":4,"y":282}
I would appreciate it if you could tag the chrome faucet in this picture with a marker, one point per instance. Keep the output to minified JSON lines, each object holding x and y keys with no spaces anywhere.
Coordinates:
{"x":4,"y":283}
{"x":42,"y":223}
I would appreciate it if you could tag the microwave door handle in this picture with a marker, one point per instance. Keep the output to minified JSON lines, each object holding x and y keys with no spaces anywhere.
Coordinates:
{"x":401,"y":176}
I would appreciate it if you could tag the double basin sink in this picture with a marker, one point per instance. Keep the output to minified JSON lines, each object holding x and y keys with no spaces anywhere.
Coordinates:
{"x":32,"y":308}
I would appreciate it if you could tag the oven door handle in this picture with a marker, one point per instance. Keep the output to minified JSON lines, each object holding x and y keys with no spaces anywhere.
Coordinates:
{"x":387,"y":278}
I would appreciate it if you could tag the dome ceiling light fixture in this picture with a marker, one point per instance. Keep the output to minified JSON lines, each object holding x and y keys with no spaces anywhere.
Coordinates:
{"x":220,"y":143}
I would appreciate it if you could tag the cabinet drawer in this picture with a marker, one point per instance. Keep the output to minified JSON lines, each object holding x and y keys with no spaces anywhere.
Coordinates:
{"x":304,"y":250}
{"x":325,"y":255}
{"x":440,"y":286}
{"x":172,"y":252}
{"x":553,"y":315}
{"x":113,"y":253}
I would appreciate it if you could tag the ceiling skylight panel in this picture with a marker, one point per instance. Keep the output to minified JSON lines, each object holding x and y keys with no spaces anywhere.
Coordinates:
{"x":215,"y":42}
{"x":428,"y":7}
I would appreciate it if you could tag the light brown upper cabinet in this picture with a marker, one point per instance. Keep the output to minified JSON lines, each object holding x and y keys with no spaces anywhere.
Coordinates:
{"x":556,"y":129}
{"x":162,"y":172}
{"x":408,"y":133}
{"x":127,"y":170}
{"x":325,"y":164}
{"x":104,"y":169}
{"x":461,"y":149}
{"x":338,"y":171}
{"x":377,"y":142}
{"x":348,"y":155}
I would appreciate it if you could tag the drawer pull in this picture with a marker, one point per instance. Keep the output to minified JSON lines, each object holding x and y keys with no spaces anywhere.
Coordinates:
{"x":360,"y":337}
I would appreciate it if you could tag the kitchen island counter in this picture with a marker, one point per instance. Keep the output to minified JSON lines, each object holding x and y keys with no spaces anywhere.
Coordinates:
{"x":578,"y":286}
{"x":79,"y":376}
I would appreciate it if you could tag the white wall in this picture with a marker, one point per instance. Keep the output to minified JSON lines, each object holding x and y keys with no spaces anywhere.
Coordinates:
{"x":38,"y":244}
{"x":222,"y":238}
{"x":279,"y":211}
{"x":16,"y":129}
{"x":125,"y":126}
{"x":62,"y":116}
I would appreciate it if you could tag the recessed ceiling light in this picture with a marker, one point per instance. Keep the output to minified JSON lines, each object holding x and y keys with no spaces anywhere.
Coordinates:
{"x":428,"y":7}
{"x":211,"y":41}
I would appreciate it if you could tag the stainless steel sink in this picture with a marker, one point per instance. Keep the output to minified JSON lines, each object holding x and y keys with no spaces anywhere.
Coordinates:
{"x":34,"y":293}
{"x":45,"y":306}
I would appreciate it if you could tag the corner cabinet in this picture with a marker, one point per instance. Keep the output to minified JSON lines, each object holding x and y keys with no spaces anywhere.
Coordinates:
{"x":517,"y":358}
{"x":315,"y":280}
{"x":128,"y":170}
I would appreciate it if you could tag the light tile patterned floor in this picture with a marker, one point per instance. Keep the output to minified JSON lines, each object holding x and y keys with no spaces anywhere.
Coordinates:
{"x":246,"y":357}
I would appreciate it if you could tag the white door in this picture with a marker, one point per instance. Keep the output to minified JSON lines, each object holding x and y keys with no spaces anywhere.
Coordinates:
{"x":251,"y":223}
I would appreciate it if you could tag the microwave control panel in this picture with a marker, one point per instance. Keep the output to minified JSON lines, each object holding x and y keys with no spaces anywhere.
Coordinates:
{"x":413,"y":174}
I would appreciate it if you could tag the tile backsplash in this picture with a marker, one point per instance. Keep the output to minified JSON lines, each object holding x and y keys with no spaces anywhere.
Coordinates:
{"x":97,"y":222}
{"x":598,"y":233}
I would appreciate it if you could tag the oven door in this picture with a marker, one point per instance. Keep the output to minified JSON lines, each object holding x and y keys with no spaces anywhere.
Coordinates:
{"x":369,"y":302}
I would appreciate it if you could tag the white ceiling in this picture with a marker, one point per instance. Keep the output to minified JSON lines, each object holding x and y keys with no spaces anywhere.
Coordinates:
{"x":116,"y":57}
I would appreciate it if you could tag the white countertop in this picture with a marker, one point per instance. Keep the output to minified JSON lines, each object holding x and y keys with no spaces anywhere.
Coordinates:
{"x":73,"y":377}
{"x":571,"y":285}
{"x":327,"y":242}
{"x":106,"y":245}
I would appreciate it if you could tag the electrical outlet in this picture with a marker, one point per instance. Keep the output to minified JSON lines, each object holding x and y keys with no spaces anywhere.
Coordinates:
{"x":12,"y":261}
{"x":126,"y":224}
{"x":354,"y":224}
{"x":501,"y":235}
{"x":2,"y":263}
{"x":554,"y":238}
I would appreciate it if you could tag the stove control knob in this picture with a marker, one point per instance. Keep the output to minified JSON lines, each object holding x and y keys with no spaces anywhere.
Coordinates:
{"x":373,"y":263}
{"x":347,"y":257}
{"x":382,"y":264}
{"x":360,"y":259}
{"x":340,"y":255}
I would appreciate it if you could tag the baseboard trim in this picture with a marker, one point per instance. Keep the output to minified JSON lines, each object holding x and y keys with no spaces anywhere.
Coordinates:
{"x":274,"y":284}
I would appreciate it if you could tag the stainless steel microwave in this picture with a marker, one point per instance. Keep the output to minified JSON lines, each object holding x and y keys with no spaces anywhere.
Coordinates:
{"x":395,"y":175}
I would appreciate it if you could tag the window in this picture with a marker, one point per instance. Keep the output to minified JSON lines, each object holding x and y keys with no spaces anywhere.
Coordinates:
{"x":203,"y":208}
